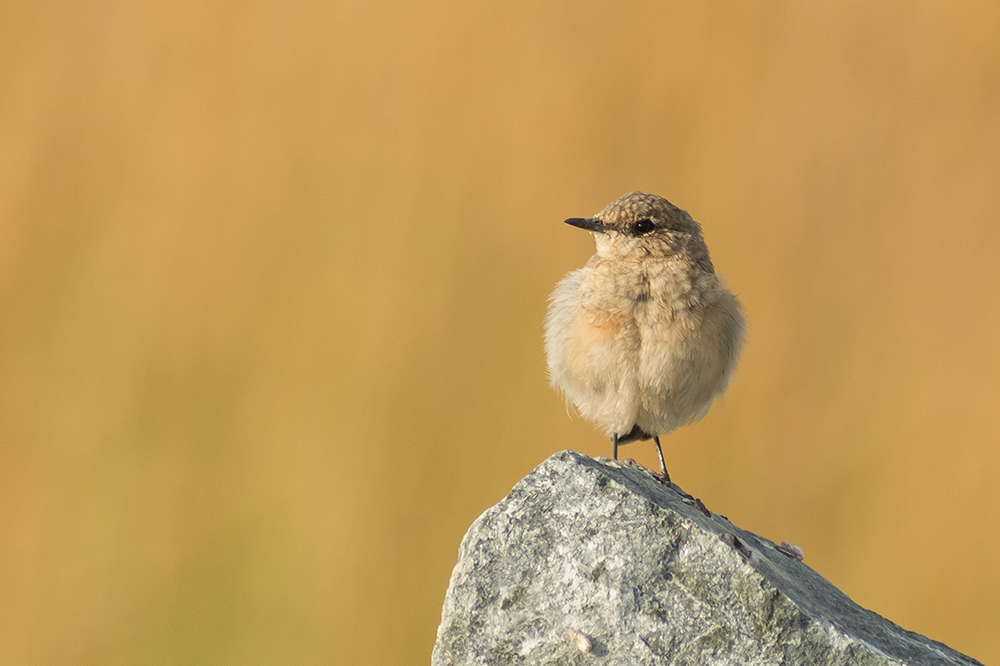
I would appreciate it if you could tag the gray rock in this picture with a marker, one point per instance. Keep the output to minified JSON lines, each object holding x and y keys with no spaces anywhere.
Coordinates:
{"x":595,"y":562}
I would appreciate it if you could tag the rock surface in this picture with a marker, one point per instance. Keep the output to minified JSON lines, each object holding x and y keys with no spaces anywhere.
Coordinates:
{"x":595,"y":562}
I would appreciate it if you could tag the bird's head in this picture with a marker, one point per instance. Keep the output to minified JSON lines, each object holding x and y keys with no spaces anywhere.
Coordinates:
{"x":643,"y":225}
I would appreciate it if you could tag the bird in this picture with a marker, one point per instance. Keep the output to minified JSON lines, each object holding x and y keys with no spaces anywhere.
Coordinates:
{"x":645,"y":336}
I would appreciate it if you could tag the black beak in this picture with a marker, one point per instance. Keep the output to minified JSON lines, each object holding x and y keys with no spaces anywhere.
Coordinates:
{"x":589,"y":223}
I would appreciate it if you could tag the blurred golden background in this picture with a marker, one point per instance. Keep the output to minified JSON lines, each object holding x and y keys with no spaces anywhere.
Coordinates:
{"x":273,"y":275}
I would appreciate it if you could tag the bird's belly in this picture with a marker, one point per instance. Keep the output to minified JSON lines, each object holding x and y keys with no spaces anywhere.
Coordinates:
{"x":597,"y":368}
{"x":673,"y":389}
{"x":682,"y":367}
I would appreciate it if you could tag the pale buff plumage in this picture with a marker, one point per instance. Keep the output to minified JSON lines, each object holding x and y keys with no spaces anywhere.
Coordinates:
{"x":645,"y":335}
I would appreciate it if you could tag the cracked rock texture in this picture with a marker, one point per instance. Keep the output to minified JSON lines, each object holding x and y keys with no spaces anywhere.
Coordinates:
{"x":595,"y":562}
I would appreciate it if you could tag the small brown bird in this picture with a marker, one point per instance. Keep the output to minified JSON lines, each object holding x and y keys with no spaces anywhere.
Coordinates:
{"x":645,"y":335}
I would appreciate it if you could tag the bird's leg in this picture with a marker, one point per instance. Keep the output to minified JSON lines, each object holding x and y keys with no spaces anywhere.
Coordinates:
{"x":614,"y":446}
{"x":663,"y":465}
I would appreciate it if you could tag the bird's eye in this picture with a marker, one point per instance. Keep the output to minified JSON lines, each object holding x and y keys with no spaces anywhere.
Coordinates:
{"x":644,"y":226}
